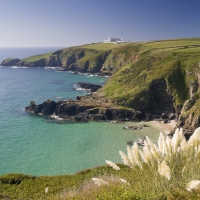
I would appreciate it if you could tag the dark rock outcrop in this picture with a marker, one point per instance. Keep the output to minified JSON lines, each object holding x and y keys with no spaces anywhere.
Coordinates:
{"x":87,"y":108}
{"x":88,"y":86}
{"x":46,"y":108}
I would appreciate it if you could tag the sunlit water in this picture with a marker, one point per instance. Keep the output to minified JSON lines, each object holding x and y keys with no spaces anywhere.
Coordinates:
{"x":31,"y":145}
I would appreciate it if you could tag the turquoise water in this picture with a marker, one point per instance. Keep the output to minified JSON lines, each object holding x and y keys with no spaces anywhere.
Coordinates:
{"x":30,"y":145}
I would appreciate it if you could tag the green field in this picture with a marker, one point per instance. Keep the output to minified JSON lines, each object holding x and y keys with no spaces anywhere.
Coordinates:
{"x":173,"y":43}
{"x":37,"y":57}
{"x":105,"y":46}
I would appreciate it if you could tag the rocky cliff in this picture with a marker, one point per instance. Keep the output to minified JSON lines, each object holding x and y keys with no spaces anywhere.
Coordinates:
{"x":152,"y":77}
{"x":87,"y":108}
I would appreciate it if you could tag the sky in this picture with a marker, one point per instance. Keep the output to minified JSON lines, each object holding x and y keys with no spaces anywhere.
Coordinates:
{"x":64,"y":23}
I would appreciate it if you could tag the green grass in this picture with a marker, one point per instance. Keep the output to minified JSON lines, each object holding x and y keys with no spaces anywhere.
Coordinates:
{"x":37,"y":57}
{"x":104,"y":46}
{"x":173,"y":43}
{"x":156,"y":60}
{"x":19,"y":186}
{"x":80,"y":187}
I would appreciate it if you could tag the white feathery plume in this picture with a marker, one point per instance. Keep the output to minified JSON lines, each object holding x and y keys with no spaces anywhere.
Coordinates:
{"x":181,"y":136}
{"x":155,"y":153}
{"x":99,"y":182}
{"x":195,"y":184}
{"x":125,"y":159}
{"x":198,"y":151}
{"x":156,"y":148}
{"x":164,"y":170}
{"x":164,"y":144}
{"x":169,"y":146}
{"x":112,"y":164}
{"x":124,"y":181}
{"x":195,"y":137}
{"x":160,"y":145}
{"x":131,"y":156}
{"x":146,"y":160}
{"x":136,"y":154}
{"x":149,"y":156}
{"x":150,"y":143}
{"x":183,"y":144}
{"x":158,"y":154}
{"x":146,"y":144}
{"x":175,"y":141}
{"x":46,"y":189}
{"x":196,"y":148}
{"x":153,"y":149}
{"x":181,"y":133}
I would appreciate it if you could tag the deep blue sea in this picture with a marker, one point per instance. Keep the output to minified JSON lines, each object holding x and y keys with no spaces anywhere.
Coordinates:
{"x":31,"y":145}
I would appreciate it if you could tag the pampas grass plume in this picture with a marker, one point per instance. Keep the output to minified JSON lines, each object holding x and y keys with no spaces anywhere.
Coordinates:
{"x":125,"y":159}
{"x":195,"y":184}
{"x":131,"y":156}
{"x":113,"y":165}
{"x":46,"y":189}
{"x":164,"y":170}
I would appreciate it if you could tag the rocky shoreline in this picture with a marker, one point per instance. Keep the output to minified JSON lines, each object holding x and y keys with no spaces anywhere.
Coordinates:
{"x":92,"y":107}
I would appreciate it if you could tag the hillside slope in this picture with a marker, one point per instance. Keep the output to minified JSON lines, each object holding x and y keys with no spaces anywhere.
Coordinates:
{"x":153,"y":77}
{"x":163,"y":77}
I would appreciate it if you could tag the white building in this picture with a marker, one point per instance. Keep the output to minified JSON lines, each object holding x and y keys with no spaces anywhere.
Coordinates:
{"x":114,"y":40}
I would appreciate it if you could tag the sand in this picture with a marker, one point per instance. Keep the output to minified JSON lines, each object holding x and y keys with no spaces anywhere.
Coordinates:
{"x":165,"y":128}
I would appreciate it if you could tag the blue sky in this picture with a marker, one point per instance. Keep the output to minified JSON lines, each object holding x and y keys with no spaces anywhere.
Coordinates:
{"x":63,"y":23}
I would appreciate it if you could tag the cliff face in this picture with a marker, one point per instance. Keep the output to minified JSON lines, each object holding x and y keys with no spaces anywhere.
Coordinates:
{"x":74,"y":58}
{"x":161,"y":77}
{"x":153,"y":77}
{"x":122,"y":56}
{"x":84,"y":60}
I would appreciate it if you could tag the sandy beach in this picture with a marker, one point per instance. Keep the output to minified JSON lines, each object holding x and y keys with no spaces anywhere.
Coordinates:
{"x":165,"y":128}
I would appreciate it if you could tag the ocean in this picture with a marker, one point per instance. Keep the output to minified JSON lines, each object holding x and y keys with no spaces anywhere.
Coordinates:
{"x":31,"y":145}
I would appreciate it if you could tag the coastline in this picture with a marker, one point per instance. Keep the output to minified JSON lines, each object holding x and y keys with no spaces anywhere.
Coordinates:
{"x":165,"y":128}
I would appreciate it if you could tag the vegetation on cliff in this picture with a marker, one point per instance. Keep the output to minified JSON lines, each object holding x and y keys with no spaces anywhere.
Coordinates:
{"x":161,"y":76}
{"x":153,"y":77}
